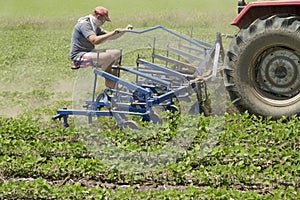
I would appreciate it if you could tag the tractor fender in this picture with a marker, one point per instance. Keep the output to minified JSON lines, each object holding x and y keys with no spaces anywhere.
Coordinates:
{"x":255,"y":10}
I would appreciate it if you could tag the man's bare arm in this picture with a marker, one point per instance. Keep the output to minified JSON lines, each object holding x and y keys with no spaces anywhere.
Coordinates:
{"x":101,"y":38}
{"x":109,"y":35}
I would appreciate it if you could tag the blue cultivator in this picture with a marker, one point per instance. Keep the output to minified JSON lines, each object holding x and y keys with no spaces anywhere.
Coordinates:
{"x":159,"y":82}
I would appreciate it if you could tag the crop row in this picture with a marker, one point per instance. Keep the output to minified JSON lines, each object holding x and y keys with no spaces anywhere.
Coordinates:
{"x":238,"y":174}
{"x":250,"y":154}
{"x":41,"y":189}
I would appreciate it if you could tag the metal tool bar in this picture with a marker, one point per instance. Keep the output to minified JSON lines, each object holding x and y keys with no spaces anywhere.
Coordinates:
{"x":166,"y":70}
{"x":176,"y":62}
{"x":158,"y":80}
{"x":185,"y":54}
{"x":129,"y":85}
{"x":192,"y":41}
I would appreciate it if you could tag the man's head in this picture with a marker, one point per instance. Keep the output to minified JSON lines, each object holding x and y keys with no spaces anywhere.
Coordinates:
{"x":102,"y":14}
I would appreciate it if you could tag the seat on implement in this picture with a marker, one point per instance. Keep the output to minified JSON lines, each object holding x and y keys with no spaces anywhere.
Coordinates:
{"x":82,"y":63}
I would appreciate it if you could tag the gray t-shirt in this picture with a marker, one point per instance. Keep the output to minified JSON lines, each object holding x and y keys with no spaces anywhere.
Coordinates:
{"x":80,"y":43}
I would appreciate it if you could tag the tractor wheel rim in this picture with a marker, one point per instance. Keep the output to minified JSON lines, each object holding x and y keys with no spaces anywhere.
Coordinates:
{"x":278,"y":73}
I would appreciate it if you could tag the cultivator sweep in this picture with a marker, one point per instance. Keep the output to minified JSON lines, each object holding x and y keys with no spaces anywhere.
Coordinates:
{"x":171,"y":74}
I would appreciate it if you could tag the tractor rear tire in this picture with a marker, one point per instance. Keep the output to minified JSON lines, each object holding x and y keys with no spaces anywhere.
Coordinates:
{"x":262,"y":72}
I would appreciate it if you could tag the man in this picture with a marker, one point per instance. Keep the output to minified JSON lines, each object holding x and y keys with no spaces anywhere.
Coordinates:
{"x":86,"y":34}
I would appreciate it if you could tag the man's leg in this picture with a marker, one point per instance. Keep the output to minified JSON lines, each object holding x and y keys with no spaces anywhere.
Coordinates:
{"x":109,"y":58}
{"x":106,"y":60}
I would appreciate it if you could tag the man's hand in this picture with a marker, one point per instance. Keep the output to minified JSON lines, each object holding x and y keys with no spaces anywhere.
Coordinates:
{"x":117,"y":31}
{"x":129,"y":27}
{"x":121,"y":30}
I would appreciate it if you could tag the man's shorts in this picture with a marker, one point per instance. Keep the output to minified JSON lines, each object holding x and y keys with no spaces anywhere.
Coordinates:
{"x":84,"y":60}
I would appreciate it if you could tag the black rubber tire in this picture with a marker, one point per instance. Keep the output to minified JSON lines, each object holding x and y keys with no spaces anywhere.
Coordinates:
{"x":279,"y":34}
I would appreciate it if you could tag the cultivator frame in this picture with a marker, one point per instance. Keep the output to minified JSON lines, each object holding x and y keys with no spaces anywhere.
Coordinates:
{"x":155,"y":84}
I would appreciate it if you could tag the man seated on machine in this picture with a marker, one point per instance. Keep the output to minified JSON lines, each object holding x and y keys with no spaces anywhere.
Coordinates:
{"x":86,"y":34}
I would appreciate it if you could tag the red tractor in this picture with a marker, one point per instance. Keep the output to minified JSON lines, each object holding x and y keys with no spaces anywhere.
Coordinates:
{"x":262,"y":73}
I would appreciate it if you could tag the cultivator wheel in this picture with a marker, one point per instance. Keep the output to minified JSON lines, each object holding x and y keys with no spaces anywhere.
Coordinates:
{"x":172,"y":108}
{"x":263,"y":67}
{"x":131,"y":124}
{"x":199,"y":108}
